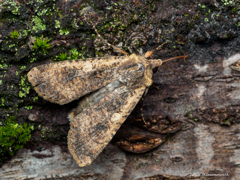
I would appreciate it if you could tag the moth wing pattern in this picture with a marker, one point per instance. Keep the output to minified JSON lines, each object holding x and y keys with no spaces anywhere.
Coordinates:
{"x":112,"y":87}
{"x":65,"y":81}
{"x":92,"y":128}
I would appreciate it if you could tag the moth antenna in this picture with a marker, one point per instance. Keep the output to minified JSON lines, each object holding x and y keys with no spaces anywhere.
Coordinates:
{"x":114,"y":47}
{"x":158,"y":62}
{"x":149,"y":53}
{"x":157,"y":34}
{"x":177,"y":57}
{"x":143,"y":119}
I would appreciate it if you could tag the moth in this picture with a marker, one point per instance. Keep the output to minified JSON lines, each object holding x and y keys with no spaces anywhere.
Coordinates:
{"x":110,"y":88}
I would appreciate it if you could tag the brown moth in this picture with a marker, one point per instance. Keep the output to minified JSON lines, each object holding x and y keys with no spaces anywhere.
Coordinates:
{"x":111,"y":86}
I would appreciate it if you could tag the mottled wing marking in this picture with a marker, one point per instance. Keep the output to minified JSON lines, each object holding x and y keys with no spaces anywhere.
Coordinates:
{"x":66,"y":81}
{"x":93,"y":98}
{"x":94,"y":127}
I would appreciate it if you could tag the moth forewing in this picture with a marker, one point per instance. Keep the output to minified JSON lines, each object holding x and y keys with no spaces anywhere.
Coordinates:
{"x":93,"y":98}
{"x":65,"y":81}
{"x":92,"y":129}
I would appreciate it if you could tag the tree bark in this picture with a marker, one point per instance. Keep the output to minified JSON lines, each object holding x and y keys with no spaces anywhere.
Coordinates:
{"x":193,"y":107}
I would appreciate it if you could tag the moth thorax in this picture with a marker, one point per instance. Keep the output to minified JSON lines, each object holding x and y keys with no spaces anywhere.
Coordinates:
{"x":132,"y":74}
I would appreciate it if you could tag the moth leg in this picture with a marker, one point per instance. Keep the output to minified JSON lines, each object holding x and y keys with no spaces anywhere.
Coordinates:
{"x":145,"y":93}
{"x":155,"y":86}
{"x":114,"y":47}
{"x":143,"y":119}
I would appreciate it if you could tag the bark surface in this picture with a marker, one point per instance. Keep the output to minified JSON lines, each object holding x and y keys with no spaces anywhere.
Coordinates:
{"x":194,"y":119}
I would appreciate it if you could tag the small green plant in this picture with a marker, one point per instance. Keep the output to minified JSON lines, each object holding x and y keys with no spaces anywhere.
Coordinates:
{"x":35,"y":98}
{"x":13,"y":136}
{"x":37,"y":24}
{"x":206,"y":20}
{"x":57,"y":24}
{"x":74,"y":54}
{"x":63,"y":32}
{"x":62,"y":56}
{"x":228,"y":2}
{"x":14,"y":34}
{"x":41,"y":44}
{"x":24,"y":87}
{"x":28,"y":107}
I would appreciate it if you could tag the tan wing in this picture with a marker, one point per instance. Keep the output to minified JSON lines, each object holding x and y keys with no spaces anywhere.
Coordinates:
{"x":66,"y":81}
{"x":94,"y":127}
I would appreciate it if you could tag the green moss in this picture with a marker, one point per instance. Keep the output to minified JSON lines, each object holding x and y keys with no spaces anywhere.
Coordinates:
{"x":62,"y":56}
{"x":37,"y":24}
{"x":4,"y":65}
{"x":41,"y":44}
{"x":228,"y":2}
{"x":14,"y":34}
{"x":49,"y":134}
{"x":64,"y":31}
{"x":35,"y":98}
{"x":2,"y":102}
{"x":22,"y":67}
{"x":28,"y":107}
{"x":74,"y":54}
{"x":24,"y":87}
{"x":57,"y":24}
{"x":13,"y":136}
{"x":71,"y":55}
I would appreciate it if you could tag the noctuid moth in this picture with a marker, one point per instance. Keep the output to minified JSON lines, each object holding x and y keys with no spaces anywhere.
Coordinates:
{"x":110,"y":88}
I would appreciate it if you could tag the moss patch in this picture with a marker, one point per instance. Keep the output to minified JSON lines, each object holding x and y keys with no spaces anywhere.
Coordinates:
{"x":13,"y":136}
{"x":41,"y":44}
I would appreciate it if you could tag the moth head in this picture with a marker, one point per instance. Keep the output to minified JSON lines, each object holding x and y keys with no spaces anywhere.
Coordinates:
{"x":156,"y":62}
